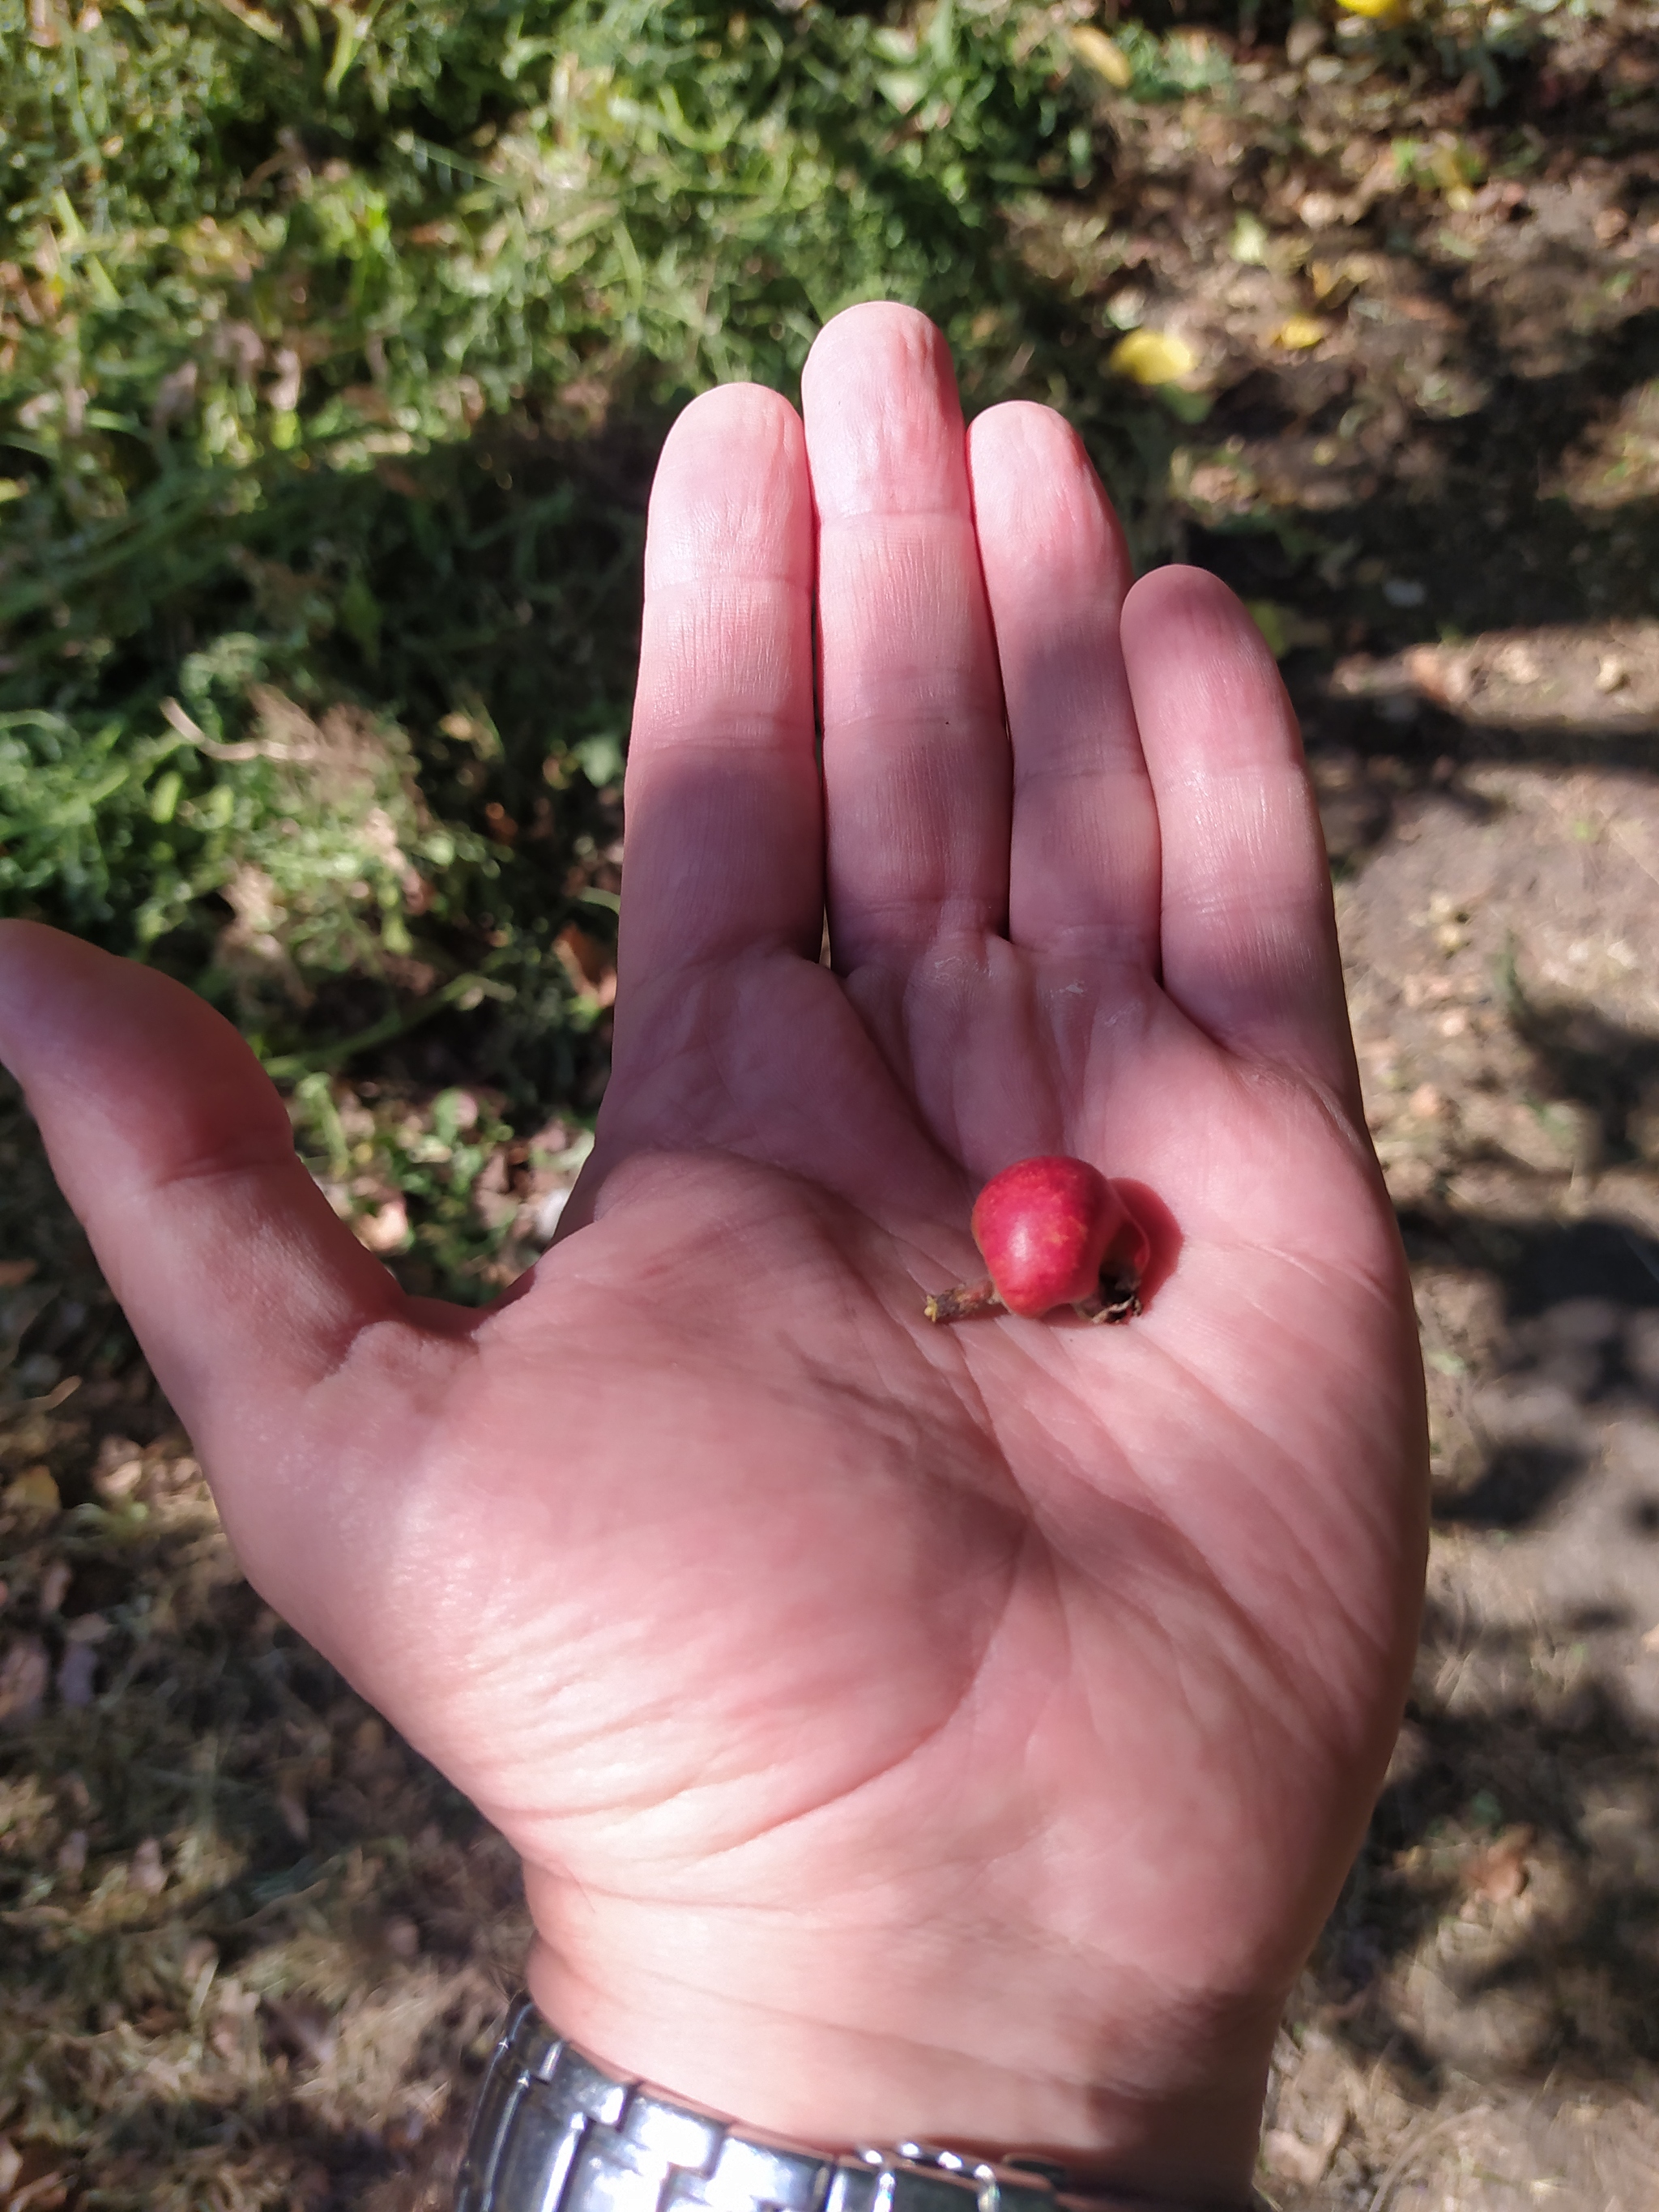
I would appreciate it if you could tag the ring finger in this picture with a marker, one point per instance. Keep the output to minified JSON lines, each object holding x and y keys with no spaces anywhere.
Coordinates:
{"x":1084,"y":874}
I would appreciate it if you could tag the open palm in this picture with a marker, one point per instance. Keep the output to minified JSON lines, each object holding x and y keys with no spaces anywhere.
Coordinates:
{"x":906,"y":1730}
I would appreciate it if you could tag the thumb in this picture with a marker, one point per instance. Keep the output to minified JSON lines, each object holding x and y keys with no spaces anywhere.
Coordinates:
{"x":175,"y":1151}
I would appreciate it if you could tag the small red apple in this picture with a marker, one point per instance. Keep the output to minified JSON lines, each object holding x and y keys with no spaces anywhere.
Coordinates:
{"x":1054,"y":1231}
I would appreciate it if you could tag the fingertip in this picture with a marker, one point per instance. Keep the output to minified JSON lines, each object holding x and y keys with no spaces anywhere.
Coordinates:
{"x":14,"y":931}
{"x":73,"y":1018}
{"x":1181,"y":591}
{"x":730,"y":495}
{"x":31,"y":953}
{"x":883,"y":417}
{"x":725,"y":830}
{"x":763,"y":419}
{"x":1034,"y":484}
{"x":885,"y":326}
{"x":176,"y":1152}
{"x":739,"y":401}
{"x":1189,"y":641}
{"x":1017,"y":430}
{"x":77,"y":1023}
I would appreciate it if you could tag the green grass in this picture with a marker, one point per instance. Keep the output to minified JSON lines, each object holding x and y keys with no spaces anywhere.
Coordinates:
{"x":307,"y":314}
{"x":329,"y":397}
{"x":335,"y":346}
{"x":336,"y":343}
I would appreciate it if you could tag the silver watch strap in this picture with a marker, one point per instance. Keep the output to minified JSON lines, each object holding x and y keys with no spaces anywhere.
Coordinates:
{"x":552,"y":2131}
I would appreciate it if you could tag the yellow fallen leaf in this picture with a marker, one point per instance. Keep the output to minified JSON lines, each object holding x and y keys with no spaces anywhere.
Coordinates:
{"x":1327,"y":278}
{"x":1151,"y":357}
{"x":1101,"y":54}
{"x":1446,"y":167}
{"x":1298,"y":332}
{"x":34,"y":1491}
{"x":1248,"y":242}
{"x":1378,"y":10}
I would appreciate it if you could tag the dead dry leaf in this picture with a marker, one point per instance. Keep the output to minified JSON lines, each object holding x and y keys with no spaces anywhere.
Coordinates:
{"x":304,"y":2027}
{"x":33,"y":1493}
{"x":25,"y":1672}
{"x":117,"y":1477}
{"x":587,"y":963}
{"x":386,"y":1230}
{"x":1498,"y":1874}
{"x":38,"y":2181}
{"x":1293,"y":2159}
{"x":1518,"y":662}
{"x":291,"y":1804}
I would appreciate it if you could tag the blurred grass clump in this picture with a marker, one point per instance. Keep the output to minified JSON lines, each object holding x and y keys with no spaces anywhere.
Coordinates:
{"x":335,"y":342}
{"x":337,"y":339}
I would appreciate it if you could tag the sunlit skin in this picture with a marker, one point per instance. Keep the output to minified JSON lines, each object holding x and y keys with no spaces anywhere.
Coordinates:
{"x":950,"y":1732}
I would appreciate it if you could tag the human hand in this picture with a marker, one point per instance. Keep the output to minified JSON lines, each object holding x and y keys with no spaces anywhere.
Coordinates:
{"x":952,"y":1733}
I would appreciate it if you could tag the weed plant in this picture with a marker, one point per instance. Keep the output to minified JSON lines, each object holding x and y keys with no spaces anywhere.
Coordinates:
{"x":335,"y":346}
{"x":336,"y":341}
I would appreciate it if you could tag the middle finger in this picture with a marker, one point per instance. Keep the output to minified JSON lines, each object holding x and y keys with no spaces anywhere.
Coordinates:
{"x":916,"y":767}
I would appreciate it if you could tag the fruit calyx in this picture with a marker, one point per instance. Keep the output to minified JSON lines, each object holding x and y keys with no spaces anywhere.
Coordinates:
{"x":1053,"y":1231}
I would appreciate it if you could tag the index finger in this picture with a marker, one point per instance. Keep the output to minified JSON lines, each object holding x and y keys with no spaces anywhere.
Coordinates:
{"x":724,"y":824}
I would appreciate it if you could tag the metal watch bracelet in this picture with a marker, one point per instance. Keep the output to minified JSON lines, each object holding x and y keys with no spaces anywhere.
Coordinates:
{"x":552,"y":2131}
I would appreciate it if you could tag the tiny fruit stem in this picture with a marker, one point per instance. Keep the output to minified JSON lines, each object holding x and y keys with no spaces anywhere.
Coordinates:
{"x":963,"y":1302}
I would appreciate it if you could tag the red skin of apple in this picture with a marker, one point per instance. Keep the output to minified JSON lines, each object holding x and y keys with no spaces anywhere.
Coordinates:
{"x":1054,"y":1231}
{"x":1043,"y":1226}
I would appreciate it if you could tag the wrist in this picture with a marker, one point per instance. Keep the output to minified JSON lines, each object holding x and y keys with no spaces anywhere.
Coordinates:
{"x":558,"y":2130}
{"x":1173,"y":2115}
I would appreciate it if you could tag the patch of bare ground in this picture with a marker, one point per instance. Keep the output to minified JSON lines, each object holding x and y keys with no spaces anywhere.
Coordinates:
{"x":252,"y":1947}
{"x":1415,"y":267}
{"x":1419,"y":286}
{"x":1482,"y":2025}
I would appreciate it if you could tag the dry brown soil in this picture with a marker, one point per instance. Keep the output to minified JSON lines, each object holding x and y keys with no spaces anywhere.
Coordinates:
{"x":250,"y":1948}
{"x":251,"y":1945}
{"x":1481,"y":2026}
